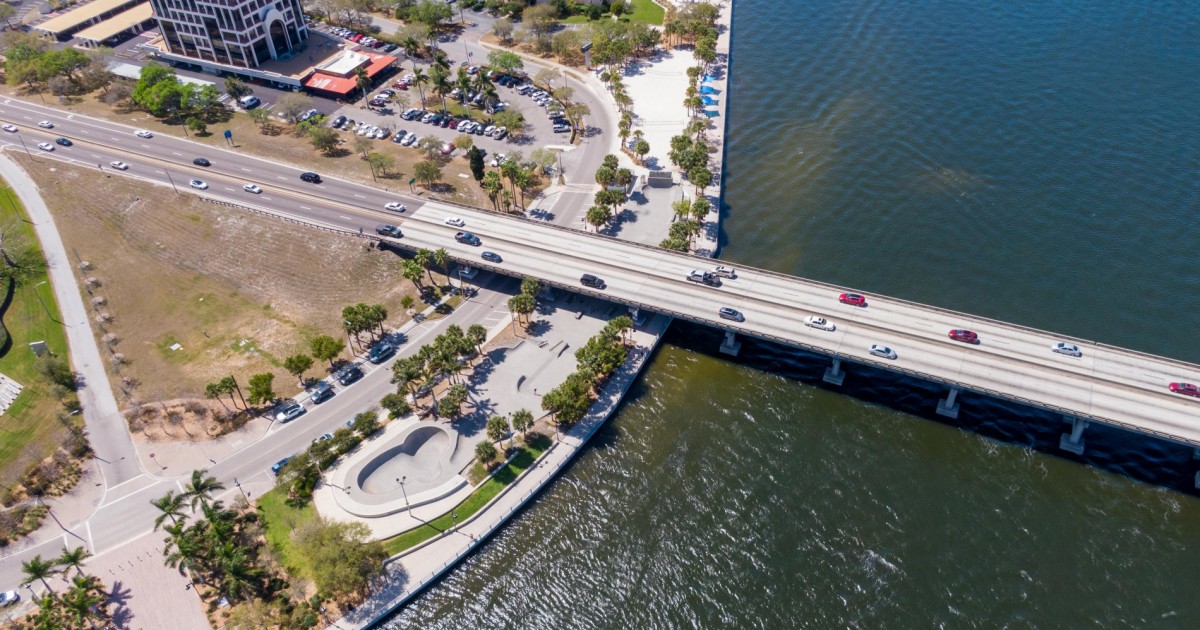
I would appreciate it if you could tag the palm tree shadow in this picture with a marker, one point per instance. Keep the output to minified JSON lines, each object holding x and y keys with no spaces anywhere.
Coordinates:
{"x":118,"y":598}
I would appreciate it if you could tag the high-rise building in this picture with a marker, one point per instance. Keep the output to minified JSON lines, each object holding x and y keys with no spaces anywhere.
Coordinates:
{"x":243,"y":33}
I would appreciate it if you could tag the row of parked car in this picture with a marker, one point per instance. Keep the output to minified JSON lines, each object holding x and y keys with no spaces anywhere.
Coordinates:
{"x":463,"y":125}
{"x":363,"y":39}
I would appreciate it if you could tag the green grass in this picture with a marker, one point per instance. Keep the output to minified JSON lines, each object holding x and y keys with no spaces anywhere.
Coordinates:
{"x":279,"y":521}
{"x":30,"y":423}
{"x":473,"y":503}
{"x":646,"y":11}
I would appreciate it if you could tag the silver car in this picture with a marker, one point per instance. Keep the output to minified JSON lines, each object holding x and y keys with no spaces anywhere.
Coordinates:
{"x":812,"y":321}
{"x":1068,"y":349}
{"x":883,"y":351}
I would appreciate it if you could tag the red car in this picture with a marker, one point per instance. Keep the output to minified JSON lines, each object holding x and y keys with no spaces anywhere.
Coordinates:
{"x":1187,"y":389}
{"x":852,"y":299}
{"x":965,"y":336}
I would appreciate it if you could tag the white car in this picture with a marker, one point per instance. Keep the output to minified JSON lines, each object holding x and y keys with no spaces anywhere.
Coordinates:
{"x":725,"y":272}
{"x":489,"y":130}
{"x":198,"y":184}
{"x":119,"y":165}
{"x":812,"y":321}
{"x":252,"y":188}
{"x":409,"y":140}
{"x":396,"y":206}
{"x":46,"y":124}
{"x":10,"y":128}
{"x":9,"y":597}
{"x":455,"y":221}
{"x":883,"y":351}
{"x":142,"y":133}
{"x":1068,"y":349}
{"x":498,"y":159}
{"x":45,"y":146}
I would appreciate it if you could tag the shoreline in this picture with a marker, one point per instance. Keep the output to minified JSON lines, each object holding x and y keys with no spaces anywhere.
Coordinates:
{"x":435,"y":558}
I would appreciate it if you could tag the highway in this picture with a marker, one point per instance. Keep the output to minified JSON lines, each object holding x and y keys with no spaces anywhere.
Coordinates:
{"x":1107,"y":384}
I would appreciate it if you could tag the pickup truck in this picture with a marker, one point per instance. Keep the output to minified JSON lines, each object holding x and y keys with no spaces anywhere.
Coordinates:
{"x":466,"y":237}
{"x":704,"y":277}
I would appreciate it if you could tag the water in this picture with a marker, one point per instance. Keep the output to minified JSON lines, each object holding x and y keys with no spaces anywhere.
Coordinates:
{"x":1034,"y":162}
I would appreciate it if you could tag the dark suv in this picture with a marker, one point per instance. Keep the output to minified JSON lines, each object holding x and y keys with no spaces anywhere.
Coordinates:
{"x":388,"y":230}
{"x":588,"y":280}
{"x":380,"y":352}
{"x":311,"y":177}
{"x":348,"y":375}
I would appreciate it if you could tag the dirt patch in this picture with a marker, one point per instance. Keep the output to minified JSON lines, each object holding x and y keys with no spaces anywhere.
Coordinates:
{"x":194,"y":291}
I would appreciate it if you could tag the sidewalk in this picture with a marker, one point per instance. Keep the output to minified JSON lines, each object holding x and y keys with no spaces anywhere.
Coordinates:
{"x":412,"y":571}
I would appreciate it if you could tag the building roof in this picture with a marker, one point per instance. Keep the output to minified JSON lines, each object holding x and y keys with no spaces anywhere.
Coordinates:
{"x":346,"y":84}
{"x":76,"y":17}
{"x":117,"y":24}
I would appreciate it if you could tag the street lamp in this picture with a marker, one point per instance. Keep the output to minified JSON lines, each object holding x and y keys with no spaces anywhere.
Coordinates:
{"x":453,"y":521}
{"x":402,"y":489}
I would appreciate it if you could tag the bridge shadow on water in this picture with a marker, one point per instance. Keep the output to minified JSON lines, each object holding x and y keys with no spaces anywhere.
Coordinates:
{"x":1134,"y":455}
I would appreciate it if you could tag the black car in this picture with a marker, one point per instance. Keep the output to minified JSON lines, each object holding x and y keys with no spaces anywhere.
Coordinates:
{"x":337,"y":122}
{"x":730,"y":314}
{"x":380,"y":352}
{"x":492,"y":257}
{"x":388,"y":230}
{"x":201,"y":162}
{"x":310,"y":177}
{"x":321,"y":392}
{"x":467,"y":238}
{"x":63,"y":141}
{"x":588,"y":280}
{"x":348,"y":374}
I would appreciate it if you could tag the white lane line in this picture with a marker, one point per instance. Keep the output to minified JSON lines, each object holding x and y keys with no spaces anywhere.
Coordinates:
{"x":305,"y":208}
{"x":345,"y":217}
{"x":84,"y":131}
{"x":281,"y":177}
{"x":246,"y":169}
{"x":176,"y":153}
{"x":360,"y":196}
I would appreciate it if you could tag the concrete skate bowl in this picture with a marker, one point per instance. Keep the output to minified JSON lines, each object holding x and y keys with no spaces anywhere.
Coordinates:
{"x":420,"y":455}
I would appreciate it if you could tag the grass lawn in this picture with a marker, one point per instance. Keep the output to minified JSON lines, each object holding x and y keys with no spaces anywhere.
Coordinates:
{"x":30,"y":426}
{"x":279,"y":521}
{"x":472,"y":503}
{"x":646,"y":11}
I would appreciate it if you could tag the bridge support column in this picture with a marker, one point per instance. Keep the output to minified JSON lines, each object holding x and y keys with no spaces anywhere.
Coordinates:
{"x":636,"y":315}
{"x":731,"y":345}
{"x":948,"y":407}
{"x":1073,"y":442}
{"x":834,"y":375}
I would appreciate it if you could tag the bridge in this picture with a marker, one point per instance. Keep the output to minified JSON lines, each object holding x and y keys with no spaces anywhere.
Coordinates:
{"x":1110,"y":385}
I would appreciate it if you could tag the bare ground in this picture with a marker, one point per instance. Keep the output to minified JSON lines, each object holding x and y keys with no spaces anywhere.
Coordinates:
{"x":237,"y":291}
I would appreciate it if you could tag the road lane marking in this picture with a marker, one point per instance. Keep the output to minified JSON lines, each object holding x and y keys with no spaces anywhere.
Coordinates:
{"x":176,"y":153}
{"x":305,"y":208}
{"x":360,"y":196}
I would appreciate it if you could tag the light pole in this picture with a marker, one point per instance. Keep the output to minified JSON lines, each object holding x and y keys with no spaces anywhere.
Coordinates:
{"x":25,"y":147}
{"x":402,"y":489}
{"x":453,"y":521}
{"x":172,"y":181}
{"x":43,"y":303}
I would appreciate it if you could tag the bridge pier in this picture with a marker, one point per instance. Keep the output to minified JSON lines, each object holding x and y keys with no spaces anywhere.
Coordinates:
{"x":731,"y":345}
{"x":1073,"y":442}
{"x":635,"y":314}
{"x":948,"y":407}
{"x":834,"y":375}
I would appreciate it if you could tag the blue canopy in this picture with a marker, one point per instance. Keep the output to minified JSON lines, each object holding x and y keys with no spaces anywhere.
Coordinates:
{"x":707,"y":89}
{"x":711,"y":114}
{"x":708,"y":78}
{"x":708,"y":100}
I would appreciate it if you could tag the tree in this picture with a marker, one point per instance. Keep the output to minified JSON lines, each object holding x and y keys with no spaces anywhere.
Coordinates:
{"x":395,"y":404}
{"x":217,"y":389}
{"x":324,"y":139}
{"x":74,"y":558}
{"x":261,"y":388}
{"x":297,"y":365}
{"x":503,"y":29}
{"x":200,"y":489}
{"x":701,"y":178}
{"x":540,"y":19}
{"x":521,"y":305}
{"x":485,"y":452}
{"x":477,"y":334}
{"x":363,"y":145}
{"x":293,"y":105}
{"x":428,"y":172}
{"x":38,"y":569}
{"x":343,"y":558}
{"x":641,"y":148}
{"x":420,"y":79}
{"x":413,"y":271}
{"x":497,"y":429}
{"x":606,"y":176}
{"x":463,"y":142}
{"x":406,"y":373}
{"x":503,"y":61}
{"x":381,"y":162}
{"x":522,"y":421}
{"x":475,"y":157}
{"x":171,"y":506}
{"x":598,"y":216}
{"x":326,"y":348}
{"x":82,"y":606}
{"x":230,"y":384}
{"x":511,"y":120}
{"x":430,"y":13}
{"x":197,"y":125}
{"x":362,"y":81}
{"x":7,"y":12}
{"x":64,"y":62}
{"x":261,"y":117}
{"x":492,"y":185}
{"x":366,"y":423}
{"x":237,"y":88}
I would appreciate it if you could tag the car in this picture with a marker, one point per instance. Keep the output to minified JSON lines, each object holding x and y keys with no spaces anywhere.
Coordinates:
{"x":465,"y":126}
{"x":468,"y":238}
{"x":477,"y":130}
{"x":498,"y":159}
{"x":492,"y":257}
{"x":386,"y":93}
{"x":324,"y":437}
{"x":455,"y":122}
{"x":396,"y":206}
{"x":310,"y":177}
{"x":399,"y":137}
{"x":7,"y":598}
{"x":853,"y":299}
{"x":306,"y":115}
{"x":428,"y":117}
{"x":63,"y":142}
{"x":1068,"y":349}
{"x":561,"y":128}
{"x":321,"y":392}
{"x":724,"y":272}
{"x":142,"y":133}
{"x":289,"y":411}
{"x":1187,"y":389}
{"x":119,"y":165}
{"x":10,"y":128}
{"x":338,"y":122}
{"x":201,"y":162}
{"x":812,"y":321}
{"x":348,"y":374}
{"x":588,"y":280}
{"x":46,"y":124}
{"x":252,"y":188}
{"x":704,"y":277}
{"x":380,"y":351}
{"x":733,"y":315}
{"x":489,"y":130}
{"x":445,"y":121}
{"x":278,"y":466}
{"x":447,"y":148}
{"x":964,"y":335}
{"x":883,"y":351}
{"x":45,"y":146}
{"x":249,"y":102}
{"x":409,"y":140}
{"x":500,"y":133}
{"x":380,"y":134}
{"x":472,"y":69}
{"x":388,"y":230}
{"x":455,"y":221}
{"x":198,"y":184}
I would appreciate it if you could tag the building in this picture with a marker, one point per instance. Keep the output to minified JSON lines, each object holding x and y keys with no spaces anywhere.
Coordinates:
{"x":64,"y":26}
{"x":239,"y":33}
{"x":337,"y":77}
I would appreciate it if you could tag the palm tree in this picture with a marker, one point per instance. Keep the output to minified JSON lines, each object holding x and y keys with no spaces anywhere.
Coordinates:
{"x":82,"y":603}
{"x":38,"y":569}
{"x":424,"y":257}
{"x":413,"y":271}
{"x":362,"y":81}
{"x":439,"y":79}
{"x":522,"y":419}
{"x":171,"y":506}
{"x":441,"y":258}
{"x":410,"y":45}
{"x":493,"y":185}
{"x":201,"y":488}
{"x":74,"y":558}
{"x":477,"y":334}
{"x":420,"y":79}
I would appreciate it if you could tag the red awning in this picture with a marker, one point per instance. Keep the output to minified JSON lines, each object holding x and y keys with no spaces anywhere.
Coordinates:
{"x":345,"y":85}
